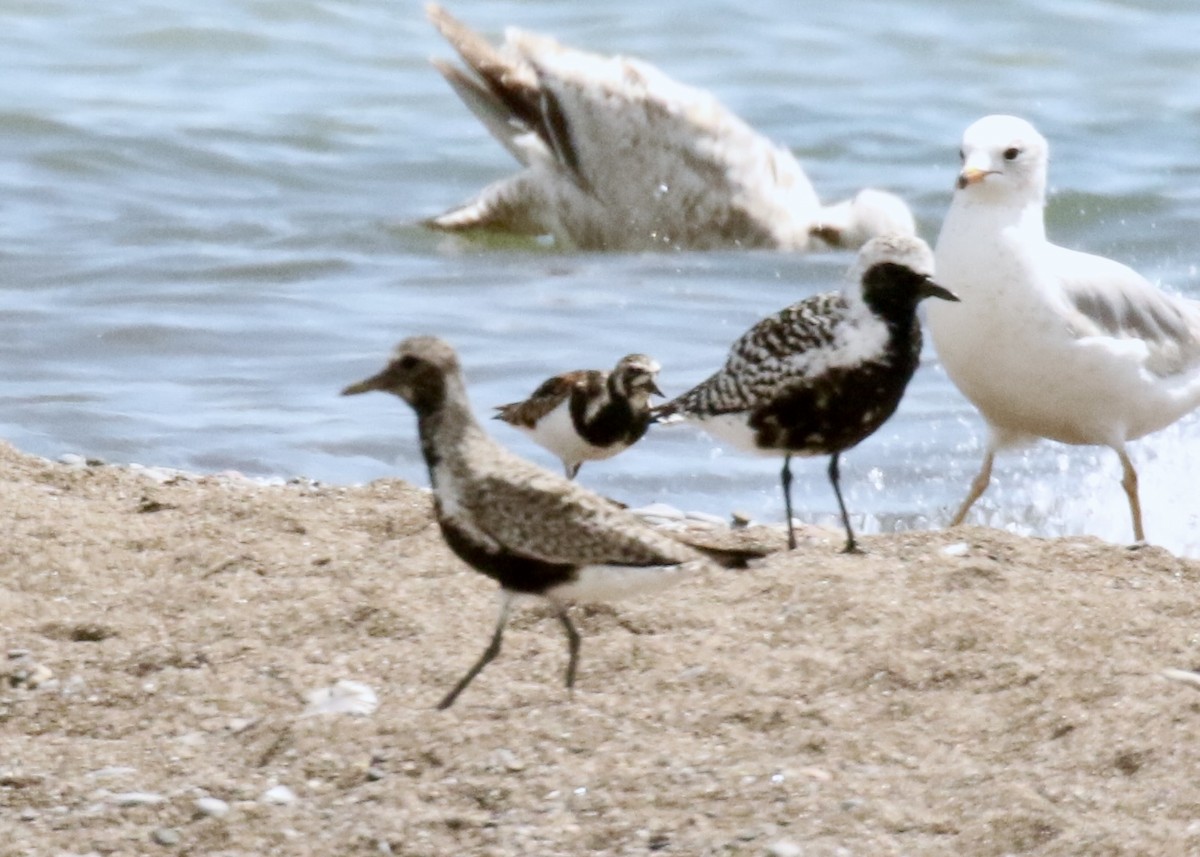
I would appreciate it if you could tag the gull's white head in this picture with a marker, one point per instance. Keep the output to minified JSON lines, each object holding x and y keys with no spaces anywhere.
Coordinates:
{"x":870,"y":213}
{"x":1003,"y":158}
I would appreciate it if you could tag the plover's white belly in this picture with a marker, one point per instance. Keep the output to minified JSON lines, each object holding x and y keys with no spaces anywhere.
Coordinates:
{"x":610,"y":582}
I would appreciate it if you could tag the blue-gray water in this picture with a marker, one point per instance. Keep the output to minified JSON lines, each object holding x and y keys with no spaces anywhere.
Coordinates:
{"x":208,"y":225}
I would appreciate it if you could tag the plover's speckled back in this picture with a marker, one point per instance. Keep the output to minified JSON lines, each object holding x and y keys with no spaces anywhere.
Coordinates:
{"x":589,"y":414}
{"x":821,"y":375}
{"x":1050,"y":342}
{"x":618,"y":156}
{"x":530,"y":530}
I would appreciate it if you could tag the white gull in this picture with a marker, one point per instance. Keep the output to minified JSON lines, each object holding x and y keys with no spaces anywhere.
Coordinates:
{"x":618,"y":156}
{"x":1049,"y":342}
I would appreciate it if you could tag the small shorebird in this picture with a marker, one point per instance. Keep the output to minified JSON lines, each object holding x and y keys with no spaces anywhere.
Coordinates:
{"x":618,"y":156}
{"x":589,"y":414}
{"x":1050,"y":342}
{"x":821,"y":375}
{"x":530,"y":530}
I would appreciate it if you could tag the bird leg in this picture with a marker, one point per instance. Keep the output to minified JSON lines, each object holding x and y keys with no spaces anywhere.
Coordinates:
{"x":569,"y":469}
{"x":834,"y":475}
{"x":572,"y":645}
{"x":488,"y":655}
{"x":1130,"y":483}
{"x":978,"y":486}
{"x":786,"y":478}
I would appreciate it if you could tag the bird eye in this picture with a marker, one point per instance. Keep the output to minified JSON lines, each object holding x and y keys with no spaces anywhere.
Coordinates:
{"x":408,"y":361}
{"x":1011,"y":153}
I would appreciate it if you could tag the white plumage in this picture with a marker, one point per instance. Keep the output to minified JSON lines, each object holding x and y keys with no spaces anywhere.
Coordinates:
{"x":1051,"y":342}
{"x":618,"y":156}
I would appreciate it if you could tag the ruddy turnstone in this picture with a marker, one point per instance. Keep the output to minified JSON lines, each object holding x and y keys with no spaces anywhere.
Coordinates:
{"x":1050,"y":342}
{"x":618,"y":156}
{"x":821,"y":375}
{"x":530,"y":530}
{"x":589,"y":414}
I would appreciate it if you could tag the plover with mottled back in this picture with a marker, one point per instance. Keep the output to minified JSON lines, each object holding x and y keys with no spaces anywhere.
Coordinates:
{"x":618,"y":156}
{"x":588,"y":414}
{"x":532,"y":531}
{"x":1050,"y":342}
{"x":823,"y":374}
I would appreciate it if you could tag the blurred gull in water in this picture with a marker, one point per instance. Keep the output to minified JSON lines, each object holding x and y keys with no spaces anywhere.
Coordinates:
{"x":618,"y":156}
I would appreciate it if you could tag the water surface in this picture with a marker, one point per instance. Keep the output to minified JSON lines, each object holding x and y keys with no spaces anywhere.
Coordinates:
{"x":208,"y":225}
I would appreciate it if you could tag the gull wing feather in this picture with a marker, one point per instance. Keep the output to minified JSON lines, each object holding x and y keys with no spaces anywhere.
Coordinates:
{"x":626,"y":156}
{"x":1109,"y":299}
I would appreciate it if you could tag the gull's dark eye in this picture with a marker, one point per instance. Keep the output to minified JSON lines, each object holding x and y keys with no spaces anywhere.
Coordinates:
{"x":1010,"y":154}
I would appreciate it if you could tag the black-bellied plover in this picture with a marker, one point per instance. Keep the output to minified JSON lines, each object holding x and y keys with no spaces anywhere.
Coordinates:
{"x":1050,"y":342}
{"x":532,"y":531}
{"x":618,"y":156}
{"x":821,"y":375}
{"x":588,"y":414}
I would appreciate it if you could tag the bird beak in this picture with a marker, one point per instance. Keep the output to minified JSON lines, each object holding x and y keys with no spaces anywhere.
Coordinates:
{"x":367,"y":385}
{"x":655,"y":391}
{"x":930,"y":289}
{"x":972,"y":175}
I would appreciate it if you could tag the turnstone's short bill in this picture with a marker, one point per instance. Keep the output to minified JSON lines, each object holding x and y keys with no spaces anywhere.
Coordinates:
{"x":821,"y":375}
{"x":618,"y":156}
{"x":1050,"y":342}
{"x":530,"y":530}
{"x":589,"y":414}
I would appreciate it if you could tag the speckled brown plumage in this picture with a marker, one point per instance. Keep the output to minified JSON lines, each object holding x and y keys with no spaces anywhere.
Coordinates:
{"x":530,"y":530}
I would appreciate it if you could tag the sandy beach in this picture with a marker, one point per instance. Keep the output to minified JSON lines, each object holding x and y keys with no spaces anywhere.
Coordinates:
{"x":950,"y":692}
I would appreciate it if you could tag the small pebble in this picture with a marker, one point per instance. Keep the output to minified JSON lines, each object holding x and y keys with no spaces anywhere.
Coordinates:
{"x":137,"y":799}
{"x":344,"y":697}
{"x":166,"y":836}
{"x":784,"y":848}
{"x":111,"y":771}
{"x":278,"y":795}
{"x":1183,"y":676}
{"x":507,"y":760}
{"x":211,"y":806}
{"x":241,"y":724}
{"x":957,"y":549}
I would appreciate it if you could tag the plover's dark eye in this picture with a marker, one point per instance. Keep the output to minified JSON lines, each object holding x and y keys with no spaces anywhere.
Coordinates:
{"x":1010,"y":154}
{"x":408,"y":361}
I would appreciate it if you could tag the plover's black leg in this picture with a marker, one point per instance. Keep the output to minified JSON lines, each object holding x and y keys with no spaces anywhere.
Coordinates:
{"x":486,"y":658}
{"x":834,"y":475}
{"x":785,"y":477}
{"x":572,"y":645}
